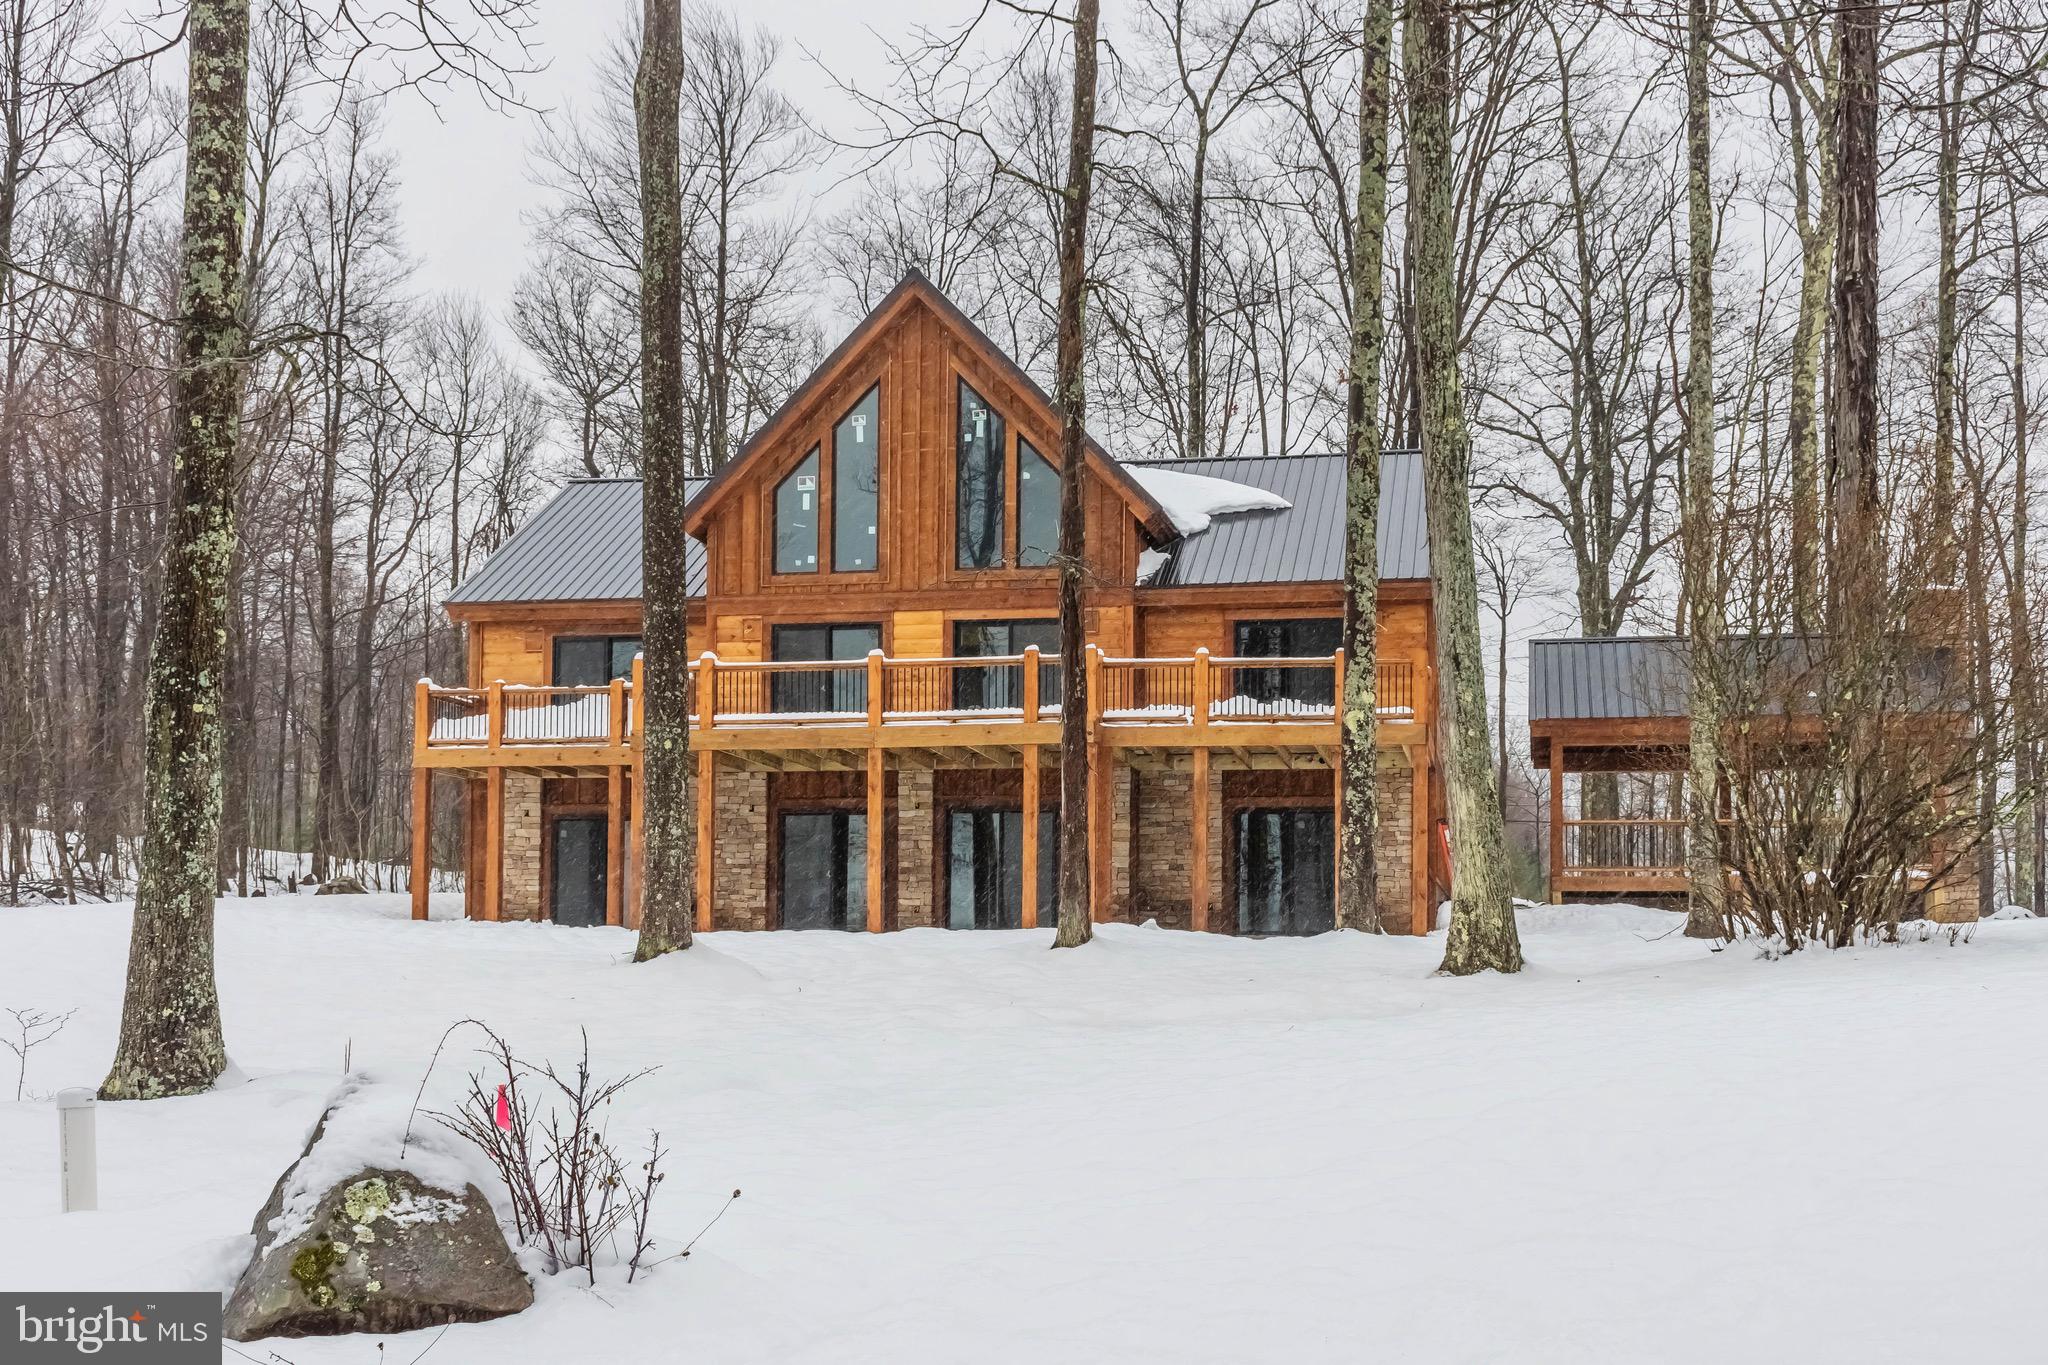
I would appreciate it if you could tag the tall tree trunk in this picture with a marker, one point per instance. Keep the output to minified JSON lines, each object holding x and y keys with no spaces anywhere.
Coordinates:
{"x":1195,"y":442}
{"x":2032,"y":818}
{"x":1706,"y":887}
{"x":170,"y":1041}
{"x":1948,"y":278}
{"x":1482,"y":933}
{"x":668,"y":881}
{"x":1357,"y":866}
{"x":1069,"y":388}
{"x":1853,"y":444}
{"x":1817,"y":210}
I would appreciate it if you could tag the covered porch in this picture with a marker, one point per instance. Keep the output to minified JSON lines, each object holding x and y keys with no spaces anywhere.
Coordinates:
{"x":879,"y":732}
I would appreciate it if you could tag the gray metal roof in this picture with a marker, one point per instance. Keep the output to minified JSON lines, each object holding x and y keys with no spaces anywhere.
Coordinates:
{"x":583,"y":546}
{"x":1609,"y":678}
{"x":1305,"y":543}
{"x":1630,"y":677}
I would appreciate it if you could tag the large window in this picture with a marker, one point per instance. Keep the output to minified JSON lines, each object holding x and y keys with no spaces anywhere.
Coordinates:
{"x":1311,"y":637}
{"x":857,"y":485}
{"x":796,"y":518}
{"x":839,"y":690}
{"x":824,"y":870}
{"x":1038,"y":508}
{"x":1286,"y":871}
{"x":593,"y":660}
{"x":985,"y":869}
{"x":1002,"y":685}
{"x":978,"y":485}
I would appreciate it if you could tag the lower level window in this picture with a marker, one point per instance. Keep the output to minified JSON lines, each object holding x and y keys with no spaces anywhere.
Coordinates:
{"x":1286,"y":870}
{"x":985,"y":869}
{"x":824,"y":873}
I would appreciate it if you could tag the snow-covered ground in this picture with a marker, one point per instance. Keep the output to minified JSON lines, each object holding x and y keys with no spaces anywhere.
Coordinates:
{"x":1164,"y":1147}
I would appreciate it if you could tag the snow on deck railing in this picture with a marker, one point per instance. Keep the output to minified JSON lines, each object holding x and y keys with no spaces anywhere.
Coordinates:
{"x":1192,"y":690}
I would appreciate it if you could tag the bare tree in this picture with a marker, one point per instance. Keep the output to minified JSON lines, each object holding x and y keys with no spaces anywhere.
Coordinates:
{"x":1358,"y":873}
{"x":668,"y":881}
{"x":1482,"y":934}
{"x":1706,"y":882}
{"x":1070,"y":392}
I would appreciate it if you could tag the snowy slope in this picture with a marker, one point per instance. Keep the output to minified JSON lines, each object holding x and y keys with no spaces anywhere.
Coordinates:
{"x":1162,"y":1148}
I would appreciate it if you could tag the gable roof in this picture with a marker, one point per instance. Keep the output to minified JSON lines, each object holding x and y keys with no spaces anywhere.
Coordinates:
{"x":1305,"y":542}
{"x":582,"y":546}
{"x":915,"y":287}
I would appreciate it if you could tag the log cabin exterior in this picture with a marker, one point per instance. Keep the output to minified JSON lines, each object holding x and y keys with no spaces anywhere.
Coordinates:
{"x":876,"y":723}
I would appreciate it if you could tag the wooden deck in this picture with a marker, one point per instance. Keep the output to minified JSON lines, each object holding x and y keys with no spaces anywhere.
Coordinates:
{"x":1191,"y":714}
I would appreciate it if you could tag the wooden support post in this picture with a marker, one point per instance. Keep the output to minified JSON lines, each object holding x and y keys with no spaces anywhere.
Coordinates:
{"x":707,"y":839}
{"x":1098,"y":794}
{"x":615,"y":714}
{"x":877,"y":854}
{"x":614,"y":838}
{"x":636,"y":712}
{"x":1030,"y":821}
{"x":1337,"y":796}
{"x":422,"y":828}
{"x":1421,"y":914}
{"x":877,"y":813}
{"x":1198,"y":851}
{"x":1556,"y":821}
{"x":705,"y":888}
{"x":494,"y":844}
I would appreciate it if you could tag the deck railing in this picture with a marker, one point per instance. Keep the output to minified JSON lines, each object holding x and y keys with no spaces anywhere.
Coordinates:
{"x":1197,"y":692}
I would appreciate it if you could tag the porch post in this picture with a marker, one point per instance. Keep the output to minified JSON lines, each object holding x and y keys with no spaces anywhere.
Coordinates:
{"x":494,"y":843}
{"x":614,"y":836}
{"x":877,"y":851}
{"x":422,"y":826}
{"x":1198,"y":847}
{"x":1098,"y":795}
{"x":1029,"y":802}
{"x":1421,"y":837}
{"x":636,"y":703}
{"x":494,"y":804}
{"x":707,"y":796}
{"x":1556,"y":821}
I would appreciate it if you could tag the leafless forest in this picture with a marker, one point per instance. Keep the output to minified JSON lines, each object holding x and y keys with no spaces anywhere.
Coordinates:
{"x":393,"y":436}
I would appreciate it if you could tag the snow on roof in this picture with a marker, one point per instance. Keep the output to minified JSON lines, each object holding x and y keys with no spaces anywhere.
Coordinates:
{"x":1192,"y":501}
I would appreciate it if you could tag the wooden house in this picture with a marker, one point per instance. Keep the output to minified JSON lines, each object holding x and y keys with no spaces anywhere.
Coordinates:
{"x":876,"y":723}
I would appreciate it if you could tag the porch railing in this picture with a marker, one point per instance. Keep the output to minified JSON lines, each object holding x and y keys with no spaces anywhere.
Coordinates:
{"x":1197,"y":691}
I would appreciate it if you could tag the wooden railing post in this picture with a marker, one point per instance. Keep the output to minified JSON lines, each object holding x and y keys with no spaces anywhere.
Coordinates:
{"x":615,"y":717}
{"x":1031,"y":706}
{"x":707,"y":690}
{"x":1199,"y":703}
{"x":422,"y":715}
{"x":494,"y":714}
{"x":1093,"y":703}
{"x":874,"y":689}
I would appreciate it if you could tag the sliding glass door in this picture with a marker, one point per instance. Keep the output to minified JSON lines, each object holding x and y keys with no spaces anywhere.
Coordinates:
{"x":1286,"y":870}
{"x":824,"y":870}
{"x":985,"y":869}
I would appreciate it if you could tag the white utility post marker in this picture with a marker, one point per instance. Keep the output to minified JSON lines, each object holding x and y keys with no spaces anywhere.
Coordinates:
{"x":75,"y":1142}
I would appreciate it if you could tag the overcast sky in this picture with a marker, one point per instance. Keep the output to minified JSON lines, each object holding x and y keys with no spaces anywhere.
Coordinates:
{"x":464,"y":166}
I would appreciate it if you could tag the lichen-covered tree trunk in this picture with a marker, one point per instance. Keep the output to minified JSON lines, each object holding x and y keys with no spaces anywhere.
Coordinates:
{"x":1357,"y":867}
{"x":1482,"y":934}
{"x":1070,"y":389}
{"x":170,"y":1041}
{"x":668,"y":881}
{"x":1706,"y":887}
{"x":1816,"y":209}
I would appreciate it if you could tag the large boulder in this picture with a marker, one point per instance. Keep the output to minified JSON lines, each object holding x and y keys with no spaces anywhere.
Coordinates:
{"x":343,"y":885}
{"x":380,"y":1249}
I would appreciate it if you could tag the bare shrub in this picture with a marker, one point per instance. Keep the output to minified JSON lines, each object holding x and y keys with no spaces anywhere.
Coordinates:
{"x":32,"y":1028}
{"x":575,"y":1198}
